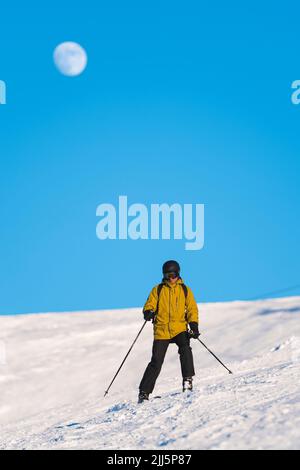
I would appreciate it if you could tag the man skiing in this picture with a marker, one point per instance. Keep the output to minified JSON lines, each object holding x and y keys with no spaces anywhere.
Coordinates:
{"x":171,"y":307}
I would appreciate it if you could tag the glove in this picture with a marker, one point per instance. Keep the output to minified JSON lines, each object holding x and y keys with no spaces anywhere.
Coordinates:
{"x":148,"y":315}
{"x":194,"y":333}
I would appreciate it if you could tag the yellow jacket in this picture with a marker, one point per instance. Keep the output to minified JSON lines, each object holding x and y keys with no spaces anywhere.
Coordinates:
{"x":174,"y":310}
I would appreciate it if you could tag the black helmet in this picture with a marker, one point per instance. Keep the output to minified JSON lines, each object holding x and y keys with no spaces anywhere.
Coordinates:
{"x":171,"y":267}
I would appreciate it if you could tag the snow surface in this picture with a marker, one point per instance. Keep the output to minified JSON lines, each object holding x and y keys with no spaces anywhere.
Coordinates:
{"x":58,"y":366}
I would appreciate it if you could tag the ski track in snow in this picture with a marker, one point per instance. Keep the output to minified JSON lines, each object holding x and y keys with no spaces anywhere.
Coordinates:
{"x":256,"y":408}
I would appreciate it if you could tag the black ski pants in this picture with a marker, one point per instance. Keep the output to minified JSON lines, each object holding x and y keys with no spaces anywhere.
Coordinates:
{"x":160,"y":347}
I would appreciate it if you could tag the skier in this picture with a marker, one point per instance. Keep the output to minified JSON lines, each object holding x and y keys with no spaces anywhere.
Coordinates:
{"x":171,"y":307}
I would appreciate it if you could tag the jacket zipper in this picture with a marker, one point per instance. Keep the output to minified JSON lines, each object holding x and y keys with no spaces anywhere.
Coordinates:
{"x":169,"y":311}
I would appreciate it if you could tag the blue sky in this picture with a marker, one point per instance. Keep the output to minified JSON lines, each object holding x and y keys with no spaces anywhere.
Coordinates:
{"x":181,"y":102}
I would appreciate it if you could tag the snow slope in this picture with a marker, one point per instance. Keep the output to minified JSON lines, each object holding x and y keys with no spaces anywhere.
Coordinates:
{"x":59,"y":365}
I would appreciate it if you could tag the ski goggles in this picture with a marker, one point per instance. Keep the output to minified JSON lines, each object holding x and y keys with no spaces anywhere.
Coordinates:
{"x":172,"y":275}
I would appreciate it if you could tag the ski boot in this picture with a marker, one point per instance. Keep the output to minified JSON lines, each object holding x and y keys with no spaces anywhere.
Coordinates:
{"x":143,"y":396}
{"x":187,"y":384}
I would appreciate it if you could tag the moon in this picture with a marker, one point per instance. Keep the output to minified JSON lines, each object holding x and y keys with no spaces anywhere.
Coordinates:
{"x":70,"y":58}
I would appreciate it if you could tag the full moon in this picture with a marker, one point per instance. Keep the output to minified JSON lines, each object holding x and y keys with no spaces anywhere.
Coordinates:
{"x":70,"y":59}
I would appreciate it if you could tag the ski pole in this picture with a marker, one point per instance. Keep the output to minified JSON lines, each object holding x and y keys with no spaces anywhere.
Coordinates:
{"x":215,"y":356}
{"x":125,"y":359}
